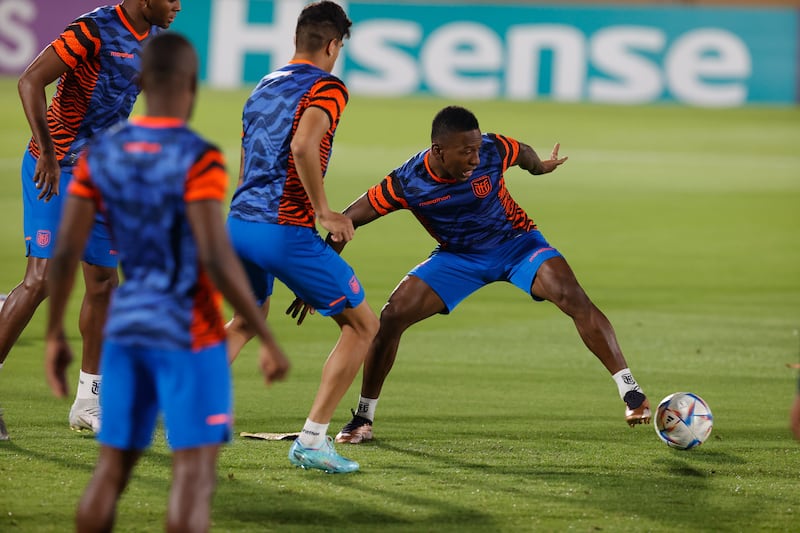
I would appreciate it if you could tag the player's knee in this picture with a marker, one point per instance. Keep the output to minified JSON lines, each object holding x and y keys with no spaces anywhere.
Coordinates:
{"x":395,"y":318}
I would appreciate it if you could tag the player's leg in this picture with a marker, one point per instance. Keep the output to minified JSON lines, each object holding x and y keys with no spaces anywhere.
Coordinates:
{"x":437,"y":285}
{"x":100,"y":282}
{"x":255,"y":260}
{"x":195,"y":395}
{"x":21,"y":303}
{"x":194,"y":476}
{"x":40,"y":223}
{"x":97,"y":508}
{"x":239,"y":332}
{"x":129,"y":403}
{"x":412,"y":301}
{"x":556,"y":282}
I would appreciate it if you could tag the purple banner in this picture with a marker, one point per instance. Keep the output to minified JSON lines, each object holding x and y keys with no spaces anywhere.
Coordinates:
{"x":28,"y":26}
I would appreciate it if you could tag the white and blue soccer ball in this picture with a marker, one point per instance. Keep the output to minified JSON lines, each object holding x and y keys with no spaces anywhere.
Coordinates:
{"x":683,"y":420}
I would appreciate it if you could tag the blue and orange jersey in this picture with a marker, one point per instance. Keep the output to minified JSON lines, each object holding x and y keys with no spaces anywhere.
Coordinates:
{"x":102,"y":51}
{"x":141,"y":175}
{"x":476,"y":214}
{"x":271,"y":190}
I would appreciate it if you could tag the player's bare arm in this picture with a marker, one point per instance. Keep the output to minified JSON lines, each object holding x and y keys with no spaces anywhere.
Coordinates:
{"x":76,"y":225}
{"x":223,"y":267}
{"x":43,"y":71}
{"x":305,"y":149}
{"x":529,"y":160}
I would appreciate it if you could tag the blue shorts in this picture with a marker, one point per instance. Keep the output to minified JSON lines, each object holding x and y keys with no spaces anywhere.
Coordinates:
{"x":299,"y":258}
{"x":41,"y":220}
{"x":454,"y":276}
{"x":192,"y":389}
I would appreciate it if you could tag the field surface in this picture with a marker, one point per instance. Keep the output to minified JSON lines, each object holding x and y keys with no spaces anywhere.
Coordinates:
{"x":681,"y":224}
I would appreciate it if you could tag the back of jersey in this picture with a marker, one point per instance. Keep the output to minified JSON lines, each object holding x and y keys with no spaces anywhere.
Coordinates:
{"x":145,"y":172}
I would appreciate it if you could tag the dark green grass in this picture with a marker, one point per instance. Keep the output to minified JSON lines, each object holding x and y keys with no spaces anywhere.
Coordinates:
{"x":680,"y":223}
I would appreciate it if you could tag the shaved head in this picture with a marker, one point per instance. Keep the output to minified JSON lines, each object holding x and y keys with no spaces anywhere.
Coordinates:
{"x":169,"y":63}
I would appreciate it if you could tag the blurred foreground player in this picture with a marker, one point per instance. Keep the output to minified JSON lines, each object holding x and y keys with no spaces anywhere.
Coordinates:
{"x":161,"y":187}
{"x":96,"y":63}
{"x":456,"y":189}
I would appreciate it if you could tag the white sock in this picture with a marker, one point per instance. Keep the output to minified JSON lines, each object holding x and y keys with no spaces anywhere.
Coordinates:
{"x":88,"y":386}
{"x":625,"y":382}
{"x":313,"y":434}
{"x":366,"y":407}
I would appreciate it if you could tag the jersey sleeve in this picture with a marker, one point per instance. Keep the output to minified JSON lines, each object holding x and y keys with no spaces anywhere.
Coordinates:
{"x":330,"y":95}
{"x":207,"y":178}
{"x":508,"y":148}
{"x":81,"y":184}
{"x":78,"y":43}
{"x":387,"y":196}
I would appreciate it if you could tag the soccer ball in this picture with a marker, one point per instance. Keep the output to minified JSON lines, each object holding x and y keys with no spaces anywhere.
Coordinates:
{"x":683,"y":420}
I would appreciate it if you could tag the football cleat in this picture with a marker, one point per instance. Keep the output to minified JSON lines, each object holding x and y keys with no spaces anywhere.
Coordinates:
{"x":323,"y":458}
{"x":637,"y":408}
{"x":85,"y":414}
{"x":358,"y":430}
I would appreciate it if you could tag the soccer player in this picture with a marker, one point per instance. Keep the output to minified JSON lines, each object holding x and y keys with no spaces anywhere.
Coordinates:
{"x":161,"y":187}
{"x":96,"y":63}
{"x":288,"y":126}
{"x":456,"y":189}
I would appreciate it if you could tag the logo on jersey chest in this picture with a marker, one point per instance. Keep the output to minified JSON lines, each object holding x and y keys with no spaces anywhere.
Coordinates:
{"x":482,"y":186}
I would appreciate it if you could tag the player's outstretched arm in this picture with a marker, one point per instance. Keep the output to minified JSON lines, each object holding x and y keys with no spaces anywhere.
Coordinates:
{"x":225,"y":270}
{"x":76,"y":224}
{"x":529,"y":160}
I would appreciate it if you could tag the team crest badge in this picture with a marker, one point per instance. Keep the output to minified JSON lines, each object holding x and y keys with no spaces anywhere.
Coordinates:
{"x":42,"y":237}
{"x":482,"y":186}
{"x":355,"y":286}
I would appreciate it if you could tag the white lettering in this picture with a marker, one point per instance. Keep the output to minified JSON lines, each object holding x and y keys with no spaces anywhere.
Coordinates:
{"x":632,"y":78}
{"x":22,"y":48}
{"x":525,"y":44}
{"x":231,"y":37}
{"x":455,"y":51}
{"x":708,"y":67}
{"x":389,"y":70}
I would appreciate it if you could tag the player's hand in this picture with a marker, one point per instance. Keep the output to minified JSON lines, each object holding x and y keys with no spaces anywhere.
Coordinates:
{"x":299,"y":309}
{"x":46,"y":176}
{"x":58,"y":357}
{"x":338,"y":225}
{"x":554,"y":162}
{"x":274,"y":364}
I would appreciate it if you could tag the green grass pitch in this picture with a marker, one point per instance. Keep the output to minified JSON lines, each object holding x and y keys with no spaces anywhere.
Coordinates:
{"x":681,"y":224}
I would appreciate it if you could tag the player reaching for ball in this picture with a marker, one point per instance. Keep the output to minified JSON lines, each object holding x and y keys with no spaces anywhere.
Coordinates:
{"x":457,"y":191}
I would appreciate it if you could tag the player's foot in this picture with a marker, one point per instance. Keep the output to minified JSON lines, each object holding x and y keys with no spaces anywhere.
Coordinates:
{"x":3,"y":430}
{"x":322,"y":458}
{"x":85,"y":414}
{"x":637,"y":408}
{"x":358,"y":430}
